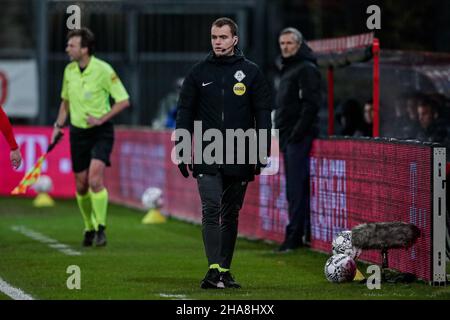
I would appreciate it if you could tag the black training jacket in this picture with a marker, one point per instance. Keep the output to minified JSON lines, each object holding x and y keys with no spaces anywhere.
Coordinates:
{"x":225,"y":93}
{"x":299,"y":97}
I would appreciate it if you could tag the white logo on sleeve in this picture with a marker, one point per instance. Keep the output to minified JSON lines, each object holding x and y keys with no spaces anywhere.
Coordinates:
{"x":206,"y":84}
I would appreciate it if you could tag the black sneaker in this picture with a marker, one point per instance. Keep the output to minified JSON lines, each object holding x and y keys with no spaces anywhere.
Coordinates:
{"x":228,"y":280}
{"x":88,"y":238}
{"x":212,"y":280}
{"x":100,"y":241}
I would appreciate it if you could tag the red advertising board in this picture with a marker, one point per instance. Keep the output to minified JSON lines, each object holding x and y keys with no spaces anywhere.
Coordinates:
{"x":354,"y":182}
{"x":142,"y":159}
{"x":33,"y":142}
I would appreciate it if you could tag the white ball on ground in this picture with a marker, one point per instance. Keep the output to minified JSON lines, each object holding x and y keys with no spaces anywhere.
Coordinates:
{"x":340,"y":268}
{"x":44,"y":184}
{"x":152,"y":198}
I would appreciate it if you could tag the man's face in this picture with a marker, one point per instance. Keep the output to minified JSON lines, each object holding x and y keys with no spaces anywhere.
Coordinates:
{"x":74,"y":49}
{"x":222,"y":41}
{"x":425,"y":115}
{"x":368,"y":113}
{"x":288,"y":45}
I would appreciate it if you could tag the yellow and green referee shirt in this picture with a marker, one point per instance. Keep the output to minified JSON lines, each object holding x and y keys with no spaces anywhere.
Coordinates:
{"x":88,"y":91}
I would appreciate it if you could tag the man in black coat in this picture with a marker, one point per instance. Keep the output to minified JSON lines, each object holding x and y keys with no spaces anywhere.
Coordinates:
{"x":299,"y":98}
{"x":223,"y":93}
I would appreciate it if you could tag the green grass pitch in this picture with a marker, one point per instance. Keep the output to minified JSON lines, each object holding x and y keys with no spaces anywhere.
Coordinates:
{"x":163,"y":261}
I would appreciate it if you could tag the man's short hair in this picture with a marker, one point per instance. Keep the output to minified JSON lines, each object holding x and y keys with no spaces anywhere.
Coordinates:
{"x":87,"y":38}
{"x":297,"y":34}
{"x":224,"y":21}
{"x":426,"y":102}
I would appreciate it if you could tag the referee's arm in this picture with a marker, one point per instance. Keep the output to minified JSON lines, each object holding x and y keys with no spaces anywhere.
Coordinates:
{"x":115,"y":88}
{"x":115,"y":109}
{"x":63,"y":108}
{"x":60,"y":119}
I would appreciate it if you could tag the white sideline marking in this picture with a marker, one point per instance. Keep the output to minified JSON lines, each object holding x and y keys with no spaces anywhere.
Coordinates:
{"x":12,"y":292}
{"x":52,"y":243}
{"x":176,"y":296}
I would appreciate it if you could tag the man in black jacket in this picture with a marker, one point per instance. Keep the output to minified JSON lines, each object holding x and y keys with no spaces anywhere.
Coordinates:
{"x":221,"y":93}
{"x":298,"y":100}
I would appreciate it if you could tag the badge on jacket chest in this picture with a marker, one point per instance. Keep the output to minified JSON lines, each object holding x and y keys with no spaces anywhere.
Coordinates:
{"x":239,"y":89}
{"x":239,"y":75}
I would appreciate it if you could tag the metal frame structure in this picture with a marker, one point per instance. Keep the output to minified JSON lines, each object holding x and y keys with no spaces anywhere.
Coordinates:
{"x":334,"y":52}
{"x":439,"y":217}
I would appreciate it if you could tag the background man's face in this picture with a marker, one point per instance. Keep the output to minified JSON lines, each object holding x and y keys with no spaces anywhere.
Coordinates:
{"x":74,"y":49}
{"x":425,"y":115}
{"x":368,"y":113}
{"x":222,"y":41}
{"x":288,"y":45}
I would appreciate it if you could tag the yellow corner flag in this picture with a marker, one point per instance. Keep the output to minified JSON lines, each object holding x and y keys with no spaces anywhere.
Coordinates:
{"x":30,"y":178}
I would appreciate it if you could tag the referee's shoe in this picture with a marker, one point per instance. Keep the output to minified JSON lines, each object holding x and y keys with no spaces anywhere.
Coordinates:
{"x":100,"y":240}
{"x":88,"y":238}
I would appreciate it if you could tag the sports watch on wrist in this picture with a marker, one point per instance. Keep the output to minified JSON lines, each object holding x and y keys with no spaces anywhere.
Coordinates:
{"x":56,"y":125}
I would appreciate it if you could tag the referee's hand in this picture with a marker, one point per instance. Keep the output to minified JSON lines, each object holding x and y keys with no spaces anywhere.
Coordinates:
{"x":92,"y":121}
{"x":55,"y":133}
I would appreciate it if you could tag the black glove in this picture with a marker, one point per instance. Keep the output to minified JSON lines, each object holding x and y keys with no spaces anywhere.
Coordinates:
{"x":184,"y":169}
{"x":260,"y":165}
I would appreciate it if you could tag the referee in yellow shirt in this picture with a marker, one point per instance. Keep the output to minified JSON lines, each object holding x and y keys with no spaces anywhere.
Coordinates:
{"x":88,"y":83}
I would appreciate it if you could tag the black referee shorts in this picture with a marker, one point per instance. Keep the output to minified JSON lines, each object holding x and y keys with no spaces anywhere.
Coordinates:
{"x":93,"y":143}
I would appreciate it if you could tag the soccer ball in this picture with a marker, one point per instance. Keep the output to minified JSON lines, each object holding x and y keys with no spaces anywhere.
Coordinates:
{"x":342,"y":244}
{"x":44,"y":184}
{"x":340,"y":268}
{"x":152,"y":198}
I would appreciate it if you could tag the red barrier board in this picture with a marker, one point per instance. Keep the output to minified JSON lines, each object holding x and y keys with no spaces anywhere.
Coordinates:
{"x":354,"y":182}
{"x":142,"y":159}
{"x":33,"y":142}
